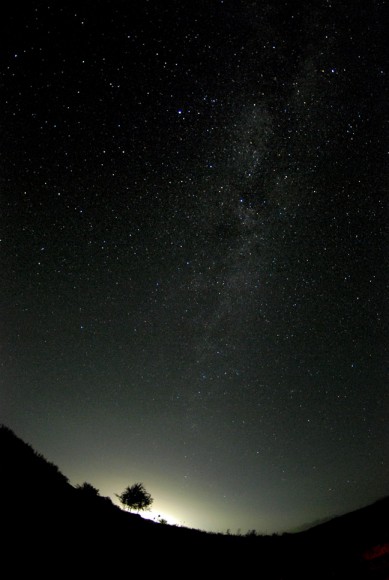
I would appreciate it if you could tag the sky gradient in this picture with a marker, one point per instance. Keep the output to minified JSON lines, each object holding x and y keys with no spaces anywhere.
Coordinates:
{"x":194,"y":252}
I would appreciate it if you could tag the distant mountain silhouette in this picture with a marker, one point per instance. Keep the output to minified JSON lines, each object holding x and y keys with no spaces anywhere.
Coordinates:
{"x":55,"y":529}
{"x":309,"y":525}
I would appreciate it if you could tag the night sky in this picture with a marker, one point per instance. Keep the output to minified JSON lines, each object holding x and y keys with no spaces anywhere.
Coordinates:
{"x":194,"y":252}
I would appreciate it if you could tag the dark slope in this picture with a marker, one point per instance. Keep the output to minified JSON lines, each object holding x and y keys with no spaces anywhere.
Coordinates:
{"x":52,"y":528}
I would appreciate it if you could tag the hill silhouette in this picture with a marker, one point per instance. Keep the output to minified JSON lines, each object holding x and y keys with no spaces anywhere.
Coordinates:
{"x":53,"y":528}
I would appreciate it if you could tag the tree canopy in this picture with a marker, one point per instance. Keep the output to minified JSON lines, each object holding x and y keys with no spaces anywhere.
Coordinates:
{"x":88,"y":489}
{"x":136,"y":497}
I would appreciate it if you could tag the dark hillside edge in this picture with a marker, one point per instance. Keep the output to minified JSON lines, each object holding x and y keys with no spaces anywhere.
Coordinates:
{"x":51,"y":523}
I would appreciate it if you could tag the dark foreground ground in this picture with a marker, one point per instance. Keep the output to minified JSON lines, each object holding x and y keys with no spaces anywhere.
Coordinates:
{"x":54,"y":530}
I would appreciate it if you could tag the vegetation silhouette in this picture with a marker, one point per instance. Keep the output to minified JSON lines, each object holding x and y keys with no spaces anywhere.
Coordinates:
{"x":88,"y":489}
{"x":51,"y":527}
{"x":135,"y":497}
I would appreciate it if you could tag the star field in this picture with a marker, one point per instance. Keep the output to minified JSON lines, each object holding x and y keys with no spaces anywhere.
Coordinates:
{"x":194,"y":241}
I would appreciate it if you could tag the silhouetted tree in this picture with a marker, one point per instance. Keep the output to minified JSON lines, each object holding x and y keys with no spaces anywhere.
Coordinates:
{"x":88,"y":489}
{"x":136,"y":497}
